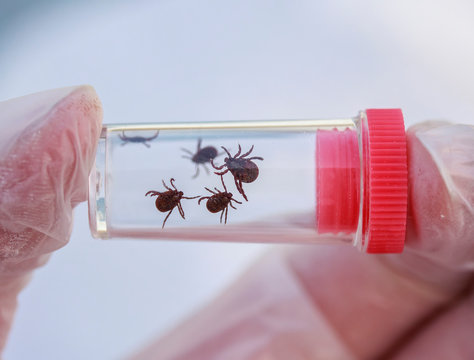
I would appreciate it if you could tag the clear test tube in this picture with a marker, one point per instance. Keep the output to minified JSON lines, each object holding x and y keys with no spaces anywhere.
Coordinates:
{"x":299,"y":181}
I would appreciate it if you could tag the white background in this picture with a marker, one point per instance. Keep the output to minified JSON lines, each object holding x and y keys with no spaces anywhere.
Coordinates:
{"x":210,"y":60}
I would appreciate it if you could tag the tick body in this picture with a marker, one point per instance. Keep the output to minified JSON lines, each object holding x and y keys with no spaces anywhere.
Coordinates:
{"x":169,"y":199}
{"x":242,"y":168}
{"x":219,"y":201}
{"x":137,"y":139}
{"x":201,"y":156}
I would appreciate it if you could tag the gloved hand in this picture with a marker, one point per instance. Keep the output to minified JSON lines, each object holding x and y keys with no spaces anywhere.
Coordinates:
{"x":320,"y":302}
{"x":47,"y":147}
{"x":310,"y":302}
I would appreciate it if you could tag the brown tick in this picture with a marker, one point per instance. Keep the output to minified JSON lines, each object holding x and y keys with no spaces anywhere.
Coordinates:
{"x":243,"y":169}
{"x":201,"y":156}
{"x":219,"y":201}
{"x":137,"y":139}
{"x":168,"y":200}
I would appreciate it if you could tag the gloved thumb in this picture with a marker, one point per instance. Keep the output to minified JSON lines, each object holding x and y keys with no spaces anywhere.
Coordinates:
{"x":47,"y":147}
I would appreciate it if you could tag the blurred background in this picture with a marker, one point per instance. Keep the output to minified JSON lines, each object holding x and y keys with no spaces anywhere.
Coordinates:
{"x":209,"y":60}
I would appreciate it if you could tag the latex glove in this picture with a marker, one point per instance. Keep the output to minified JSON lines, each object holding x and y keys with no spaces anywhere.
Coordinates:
{"x":321,"y":302}
{"x":47,"y":147}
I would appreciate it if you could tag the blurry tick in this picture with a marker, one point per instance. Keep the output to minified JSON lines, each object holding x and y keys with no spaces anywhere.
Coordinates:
{"x":243,"y":169}
{"x":137,"y":139}
{"x":219,"y":201}
{"x":201,"y":156}
{"x":168,"y":200}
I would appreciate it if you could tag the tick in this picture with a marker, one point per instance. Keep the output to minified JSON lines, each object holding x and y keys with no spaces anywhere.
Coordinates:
{"x":219,"y":201}
{"x":201,"y":156}
{"x":243,"y":169}
{"x":137,"y":139}
{"x":169,"y":199}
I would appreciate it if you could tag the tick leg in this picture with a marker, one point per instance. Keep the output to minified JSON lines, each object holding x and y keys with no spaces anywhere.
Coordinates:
{"x":238,"y":152}
{"x":255,"y":158}
{"x":201,"y":199}
{"x":232,"y":206}
{"x":212,"y":192}
{"x":222,"y":180}
{"x":218,"y":190}
{"x":238,"y":184}
{"x":125,"y":142}
{"x":166,"y":218}
{"x":216,"y":167}
{"x":243,"y":192}
{"x":197,"y":172}
{"x":166,"y":185}
{"x":221,"y":173}
{"x":186,"y":157}
{"x":187,"y":151}
{"x":190,"y":198}
{"x":227,"y":151}
{"x":199,"y":145}
{"x":153,"y":193}
{"x":122,"y":136}
{"x":226,"y":211}
{"x":181,"y":211}
{"x":238,"y":202}
{"x":146,"y":144}
{"x":247,"y":153}
{"x":206,"y":168}
{"x":222,"y":213}
{"x":172,"y":184}
{"x":153,"y":137}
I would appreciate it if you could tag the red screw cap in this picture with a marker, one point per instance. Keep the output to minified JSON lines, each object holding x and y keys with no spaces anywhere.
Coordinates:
{"x":385,"y":181}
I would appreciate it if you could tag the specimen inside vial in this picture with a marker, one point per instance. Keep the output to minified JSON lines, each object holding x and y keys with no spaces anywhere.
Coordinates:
{"x":137,"y":139}
{"x":242,"y":168}
{"x":219,"y":201}
{"x":201,"y":157}
{"x":249,"y":180}
{"x":168,"y":200}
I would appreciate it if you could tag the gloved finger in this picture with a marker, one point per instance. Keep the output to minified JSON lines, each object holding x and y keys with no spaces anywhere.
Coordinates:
{"x":441,"y":224}
{"x":265,"y":315}
{"x":448,"y":337}
{"x":47,"y":146}
{"x":332,"y":302}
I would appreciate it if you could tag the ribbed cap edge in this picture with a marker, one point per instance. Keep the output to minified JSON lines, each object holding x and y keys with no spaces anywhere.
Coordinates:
{"x":387,"y":194}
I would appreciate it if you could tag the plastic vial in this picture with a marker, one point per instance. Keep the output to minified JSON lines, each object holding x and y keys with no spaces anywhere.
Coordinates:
{"x":299,"y":181}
